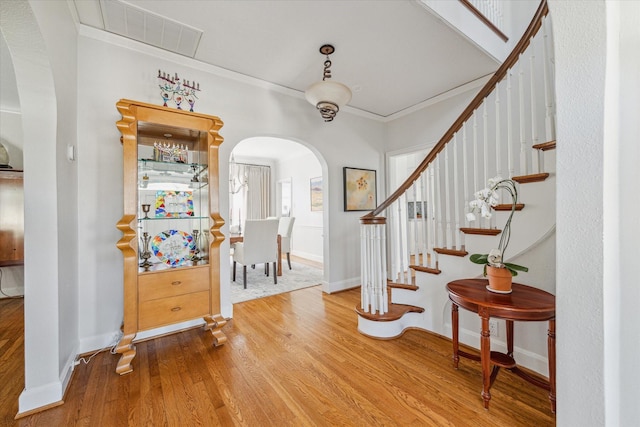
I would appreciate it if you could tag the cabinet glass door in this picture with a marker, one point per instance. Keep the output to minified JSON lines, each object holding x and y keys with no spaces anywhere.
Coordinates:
{"x":173,"y":197}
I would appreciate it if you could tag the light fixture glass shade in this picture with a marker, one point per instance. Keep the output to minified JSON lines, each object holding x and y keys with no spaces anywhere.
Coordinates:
{"x":329,"y":92}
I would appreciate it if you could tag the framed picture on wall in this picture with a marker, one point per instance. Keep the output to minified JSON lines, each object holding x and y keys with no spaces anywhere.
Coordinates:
{"x":359,"y":189}
{"x":315,"y":190}
{"x":415,"y":209}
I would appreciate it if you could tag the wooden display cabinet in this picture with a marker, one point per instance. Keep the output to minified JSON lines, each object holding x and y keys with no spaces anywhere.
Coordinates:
{"x":171,"y":224}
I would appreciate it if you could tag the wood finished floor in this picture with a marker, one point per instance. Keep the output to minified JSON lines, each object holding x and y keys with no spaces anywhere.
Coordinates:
{"x":293,"y":359}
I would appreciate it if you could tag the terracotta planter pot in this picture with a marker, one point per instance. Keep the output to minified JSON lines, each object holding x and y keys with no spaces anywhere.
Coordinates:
{"x":500,"y":280}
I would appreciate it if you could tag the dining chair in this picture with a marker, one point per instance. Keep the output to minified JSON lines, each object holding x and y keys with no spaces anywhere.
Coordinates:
{"x":259,"y":245}
{"x":285,"y":229}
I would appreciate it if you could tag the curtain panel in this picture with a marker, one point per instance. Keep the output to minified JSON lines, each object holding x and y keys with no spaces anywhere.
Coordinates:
{"x":255,"y":195}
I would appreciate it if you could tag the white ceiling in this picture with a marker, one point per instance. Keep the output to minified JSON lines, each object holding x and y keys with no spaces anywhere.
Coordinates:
{"x":393,"y":54}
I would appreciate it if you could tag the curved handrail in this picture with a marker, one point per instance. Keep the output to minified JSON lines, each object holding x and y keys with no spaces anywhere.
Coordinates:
{"x":486,"y":90}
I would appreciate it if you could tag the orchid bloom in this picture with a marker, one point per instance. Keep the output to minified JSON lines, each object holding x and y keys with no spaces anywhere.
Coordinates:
{"x":487,"y":198}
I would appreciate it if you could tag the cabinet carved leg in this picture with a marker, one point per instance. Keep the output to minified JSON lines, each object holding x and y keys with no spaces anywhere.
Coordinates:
{"x":127,"y":351}
{"x":215,"y":324}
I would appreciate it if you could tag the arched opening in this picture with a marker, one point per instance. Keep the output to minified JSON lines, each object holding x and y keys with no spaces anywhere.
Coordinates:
{"x":295,"y":191}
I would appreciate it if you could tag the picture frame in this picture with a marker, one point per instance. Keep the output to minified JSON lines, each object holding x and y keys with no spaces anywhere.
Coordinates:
{"x":174,"y":204}
{"x":415,"y":210}
{"x":315,"y":193}
{"x":360,"y":189}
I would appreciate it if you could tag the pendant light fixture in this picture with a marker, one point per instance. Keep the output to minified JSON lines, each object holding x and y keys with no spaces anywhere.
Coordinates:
{"x":328,"y":96}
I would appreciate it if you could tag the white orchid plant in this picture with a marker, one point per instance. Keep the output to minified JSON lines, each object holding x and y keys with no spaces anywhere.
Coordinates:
{"x":483,"y":203}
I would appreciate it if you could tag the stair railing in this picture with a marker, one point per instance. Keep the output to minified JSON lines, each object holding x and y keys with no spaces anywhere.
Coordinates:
{"x":498,"y":133}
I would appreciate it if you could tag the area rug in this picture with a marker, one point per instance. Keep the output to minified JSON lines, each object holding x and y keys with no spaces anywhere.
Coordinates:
{"x":258,"y":285}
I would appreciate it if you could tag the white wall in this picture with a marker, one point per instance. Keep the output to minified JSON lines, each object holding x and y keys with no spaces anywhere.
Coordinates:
{"x":60,"y":40}
{"x":426,"y":126}
{"x":597,"y":85}
{"x":307,"y":237}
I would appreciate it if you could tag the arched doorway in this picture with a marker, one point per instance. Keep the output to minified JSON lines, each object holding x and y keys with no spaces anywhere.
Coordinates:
{"x":295,"y":191}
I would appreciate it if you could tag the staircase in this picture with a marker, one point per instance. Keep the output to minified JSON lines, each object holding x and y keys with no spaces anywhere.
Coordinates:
{"x":419,"y":239}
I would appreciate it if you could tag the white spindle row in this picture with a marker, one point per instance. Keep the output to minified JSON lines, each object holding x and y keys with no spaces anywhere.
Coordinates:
{"x":374,"y":274}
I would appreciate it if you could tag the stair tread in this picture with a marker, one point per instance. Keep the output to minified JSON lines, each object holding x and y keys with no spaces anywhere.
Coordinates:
{"x":402,"y":286}
{"x":454,"y":252}
{"x":550,"y":145}
{"x":482,"y":231}
{"x":396,"y":311}
{"x":425,"y":269}
{"x":536,"y":177}
{"x":507,"y":207}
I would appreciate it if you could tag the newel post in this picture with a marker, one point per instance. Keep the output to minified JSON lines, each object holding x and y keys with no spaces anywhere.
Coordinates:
{"x":373,"y":265}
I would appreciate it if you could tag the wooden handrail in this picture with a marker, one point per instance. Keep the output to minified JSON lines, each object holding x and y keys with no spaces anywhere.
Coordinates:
{"x":486,"y":90}
{"x":485,"y":20}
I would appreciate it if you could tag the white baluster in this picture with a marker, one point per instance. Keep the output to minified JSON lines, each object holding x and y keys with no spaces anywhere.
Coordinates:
{"x":510,"y":139}
{"x":485,"y":151}
{"x":456,"y":194}
{"x":382,"y":301}
{"x":534,"y":109}
{"x":523,"y":141}
{"x":548,"y":89}
{"x":423,"y":219}
{"x":498,"y":133}
{"x":401,"y":245}
{"x":415,"y":222}
{"x":446,"y":241}
{"x":432,"y":209}
{"x":465,"y":171}
{"x":364,"y":253}
{"x":438,"y":203}
{"x":476,"y":169}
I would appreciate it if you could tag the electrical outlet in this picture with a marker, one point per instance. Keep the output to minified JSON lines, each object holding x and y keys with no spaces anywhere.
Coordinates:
{"x":493,"y":327}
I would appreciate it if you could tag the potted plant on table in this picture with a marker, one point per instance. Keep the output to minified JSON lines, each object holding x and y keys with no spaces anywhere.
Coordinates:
{"x":498,"y":272}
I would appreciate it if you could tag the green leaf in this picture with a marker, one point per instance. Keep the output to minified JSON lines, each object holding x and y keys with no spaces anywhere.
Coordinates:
{"x":479,"y":258}
{"x":515,"y":267}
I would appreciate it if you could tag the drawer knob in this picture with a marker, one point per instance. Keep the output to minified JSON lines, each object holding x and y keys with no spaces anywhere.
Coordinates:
{"x":176,"y":283}
{"x":176,"y":309}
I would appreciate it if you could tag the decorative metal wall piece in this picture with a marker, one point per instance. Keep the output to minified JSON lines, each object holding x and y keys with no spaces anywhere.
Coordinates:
{"x":174,"y":91}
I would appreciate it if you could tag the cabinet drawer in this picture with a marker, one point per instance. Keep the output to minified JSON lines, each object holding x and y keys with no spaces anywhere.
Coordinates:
{"x":171,"y":283}
{"x":165,"y":311}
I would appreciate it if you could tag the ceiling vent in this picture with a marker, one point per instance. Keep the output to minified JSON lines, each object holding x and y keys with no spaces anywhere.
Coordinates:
{"x":138,"y":24}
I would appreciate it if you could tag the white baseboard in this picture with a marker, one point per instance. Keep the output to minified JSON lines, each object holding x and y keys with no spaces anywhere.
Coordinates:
{"x":48,"y":395}
{"x":67,"y":371}
{"x":39,"y":397}
{"x":342,"y":285}
{"x":97,"y":342}
{"x":307,"y":255}
{"x":168,"y":329}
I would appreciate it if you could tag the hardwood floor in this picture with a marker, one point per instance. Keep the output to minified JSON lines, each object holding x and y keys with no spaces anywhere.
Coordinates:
{"x":293,"y":359}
